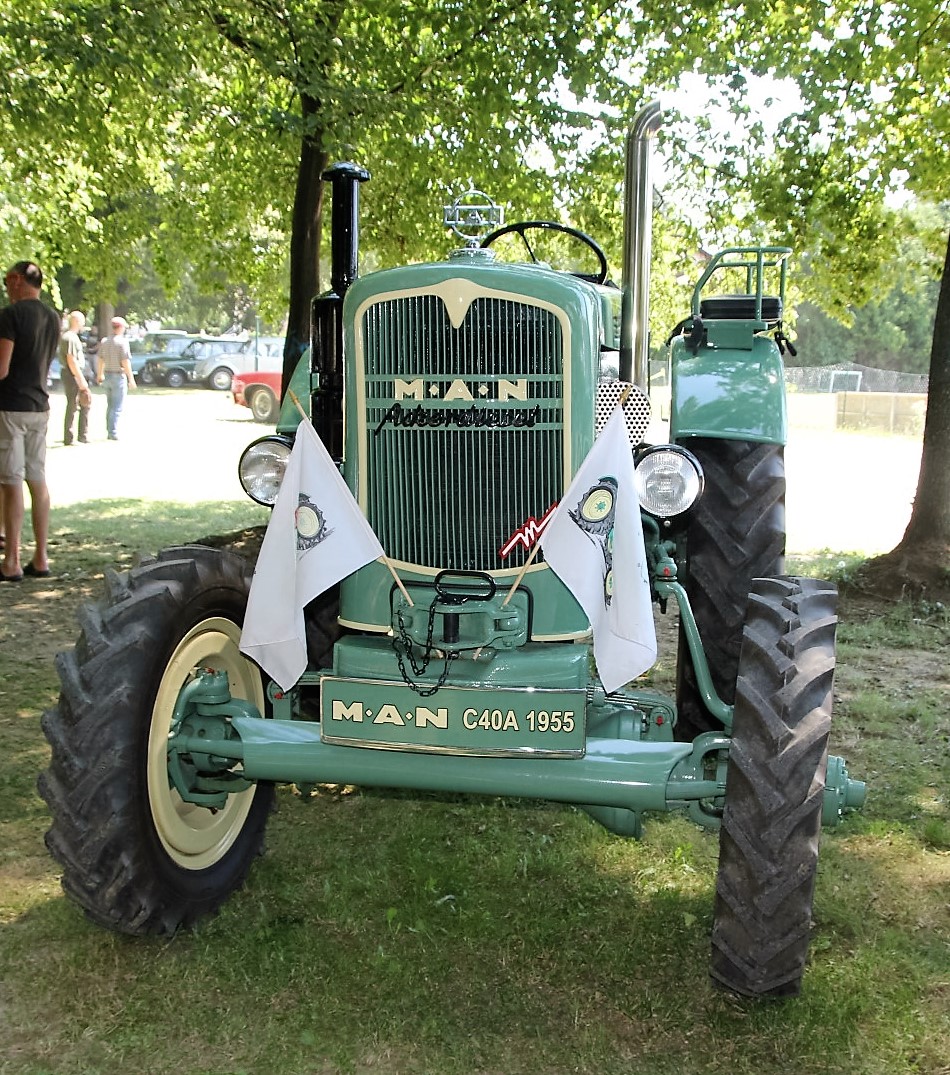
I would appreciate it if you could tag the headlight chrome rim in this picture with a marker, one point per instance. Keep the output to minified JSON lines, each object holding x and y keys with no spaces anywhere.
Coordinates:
{"x":262,"y":466}
{"x":670,"y":480}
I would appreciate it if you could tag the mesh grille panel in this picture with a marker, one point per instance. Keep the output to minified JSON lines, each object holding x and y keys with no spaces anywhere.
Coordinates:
{"x":464,"y":428}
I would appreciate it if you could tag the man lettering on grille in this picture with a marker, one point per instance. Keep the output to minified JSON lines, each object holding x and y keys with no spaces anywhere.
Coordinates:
{"x":29,"y":336}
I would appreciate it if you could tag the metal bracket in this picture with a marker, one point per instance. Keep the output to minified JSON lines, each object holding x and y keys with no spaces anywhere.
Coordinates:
{"x":665,"y":584}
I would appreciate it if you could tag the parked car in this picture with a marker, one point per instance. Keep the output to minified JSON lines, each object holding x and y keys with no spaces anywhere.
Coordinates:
{"x":257,"y":354}
{"x":54,"y":376}
{"x":166,"y":343}
{"x":177,"y":370}
{"x":260,"y":391}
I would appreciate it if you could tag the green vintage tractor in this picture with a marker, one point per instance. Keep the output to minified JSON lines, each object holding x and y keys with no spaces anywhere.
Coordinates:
{"x":459,"y":398}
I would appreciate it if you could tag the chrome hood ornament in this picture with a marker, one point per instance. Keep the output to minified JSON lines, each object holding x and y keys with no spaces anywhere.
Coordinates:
{"x":472,"y":215}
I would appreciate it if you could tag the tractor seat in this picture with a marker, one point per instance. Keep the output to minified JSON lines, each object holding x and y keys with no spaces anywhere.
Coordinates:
{"x":740,"y":308}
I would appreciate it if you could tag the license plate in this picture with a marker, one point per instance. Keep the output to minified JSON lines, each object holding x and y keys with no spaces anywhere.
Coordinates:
{"x":455,"y":720}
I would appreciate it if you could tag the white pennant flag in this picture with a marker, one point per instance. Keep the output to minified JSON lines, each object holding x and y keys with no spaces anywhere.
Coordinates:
{"x":594,"y":544}
{"x":316,"y":536}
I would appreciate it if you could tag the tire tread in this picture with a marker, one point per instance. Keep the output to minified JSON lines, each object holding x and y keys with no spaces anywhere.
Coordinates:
{"x":91,"y":786}
{"x":774,"y":789}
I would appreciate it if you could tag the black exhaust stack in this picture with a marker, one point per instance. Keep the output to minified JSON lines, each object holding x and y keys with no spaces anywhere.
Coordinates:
{"x":326,"y":311}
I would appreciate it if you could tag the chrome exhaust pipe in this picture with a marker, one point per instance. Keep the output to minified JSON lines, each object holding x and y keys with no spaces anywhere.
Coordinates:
{"x":638,"y":246}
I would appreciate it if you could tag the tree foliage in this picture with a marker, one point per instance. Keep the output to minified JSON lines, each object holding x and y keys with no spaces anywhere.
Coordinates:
{"x":184,"y":121}
{"x":206,"y":124}
{"x":894,"y":330}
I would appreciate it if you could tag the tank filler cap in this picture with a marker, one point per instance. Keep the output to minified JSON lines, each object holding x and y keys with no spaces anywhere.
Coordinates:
{"x":473,"y":253}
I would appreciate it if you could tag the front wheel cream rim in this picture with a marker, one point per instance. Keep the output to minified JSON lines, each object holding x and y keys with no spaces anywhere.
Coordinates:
{"x":195,"y":837}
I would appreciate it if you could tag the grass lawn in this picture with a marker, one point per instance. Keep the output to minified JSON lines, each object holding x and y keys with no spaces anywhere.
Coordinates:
{"x":397,"y":933}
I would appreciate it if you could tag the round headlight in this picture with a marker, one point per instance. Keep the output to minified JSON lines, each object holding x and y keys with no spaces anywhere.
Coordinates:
{"x":262,"y":467}
{"x":669,"y":480}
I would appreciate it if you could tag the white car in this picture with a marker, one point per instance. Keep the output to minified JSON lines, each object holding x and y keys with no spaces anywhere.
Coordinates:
{"x":258,"y":353}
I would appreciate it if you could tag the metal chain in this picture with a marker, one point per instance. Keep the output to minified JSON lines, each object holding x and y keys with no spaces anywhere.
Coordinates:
{"x":403,"y":647}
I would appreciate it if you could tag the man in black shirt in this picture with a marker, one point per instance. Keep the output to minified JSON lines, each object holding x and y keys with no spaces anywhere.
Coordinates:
{"x":29,"y":336}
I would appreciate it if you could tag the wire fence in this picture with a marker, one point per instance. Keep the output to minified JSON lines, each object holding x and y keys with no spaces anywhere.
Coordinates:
{"x":843,"y":377}
{"x":852,"y":377}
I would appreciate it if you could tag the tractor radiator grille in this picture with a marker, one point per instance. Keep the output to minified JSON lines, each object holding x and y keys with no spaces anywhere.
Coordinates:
{"x":464,"y":428}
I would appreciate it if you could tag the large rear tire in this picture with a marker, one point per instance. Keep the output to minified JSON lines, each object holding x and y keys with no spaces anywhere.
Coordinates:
{"x":736,"y":534}
{"x":768,"y":844}
{"x":135,"y":856}
{"x":322,"y":626}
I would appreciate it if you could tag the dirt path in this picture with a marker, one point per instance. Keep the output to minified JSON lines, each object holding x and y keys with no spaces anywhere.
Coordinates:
{"x":850,"y":492}
{"x":173,"y":445}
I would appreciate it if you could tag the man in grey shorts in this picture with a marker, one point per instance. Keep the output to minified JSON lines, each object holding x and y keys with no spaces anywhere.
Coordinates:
{"x":29,"y":337}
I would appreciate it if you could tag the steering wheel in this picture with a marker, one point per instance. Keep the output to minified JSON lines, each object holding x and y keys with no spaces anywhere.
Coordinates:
{"x":520,"y":228}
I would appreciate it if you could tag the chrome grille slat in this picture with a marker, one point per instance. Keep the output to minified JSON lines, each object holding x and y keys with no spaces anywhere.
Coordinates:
{"x":449,"y":497}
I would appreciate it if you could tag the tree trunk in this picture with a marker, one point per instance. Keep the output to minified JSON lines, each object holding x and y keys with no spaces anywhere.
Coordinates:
{"x":930,"y":520}
{"x":305,"y":236}
{"x":104,"y":314}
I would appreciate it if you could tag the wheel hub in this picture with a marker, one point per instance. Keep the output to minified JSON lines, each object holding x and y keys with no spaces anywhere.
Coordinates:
{"x":841,"y":792}
{"x":197,"y":821}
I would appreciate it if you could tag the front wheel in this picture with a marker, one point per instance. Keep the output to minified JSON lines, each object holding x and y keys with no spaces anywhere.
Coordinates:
{"x":264,"y":405}
{"x":220,"y":379}
{"x":768,"y":843}
{"x":135,"y":856}
{"x":174,"y":379}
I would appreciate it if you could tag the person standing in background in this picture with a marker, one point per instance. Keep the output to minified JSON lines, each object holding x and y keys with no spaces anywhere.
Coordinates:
{"x":115,"y":369}
{"x":72,"y":361}
{"x":29,"y":336}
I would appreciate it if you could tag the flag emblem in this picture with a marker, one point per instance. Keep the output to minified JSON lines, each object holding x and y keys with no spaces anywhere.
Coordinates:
{"x":594,"y":515}
{"x":594,"y":544}
{"x":310,"y":523}
{"x":308,"y":548}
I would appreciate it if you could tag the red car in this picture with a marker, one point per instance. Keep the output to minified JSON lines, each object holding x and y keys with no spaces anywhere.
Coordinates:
{"x":260,"y":391}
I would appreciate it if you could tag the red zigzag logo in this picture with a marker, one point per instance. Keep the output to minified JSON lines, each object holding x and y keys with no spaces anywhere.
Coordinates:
{"x":528,"y":533}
